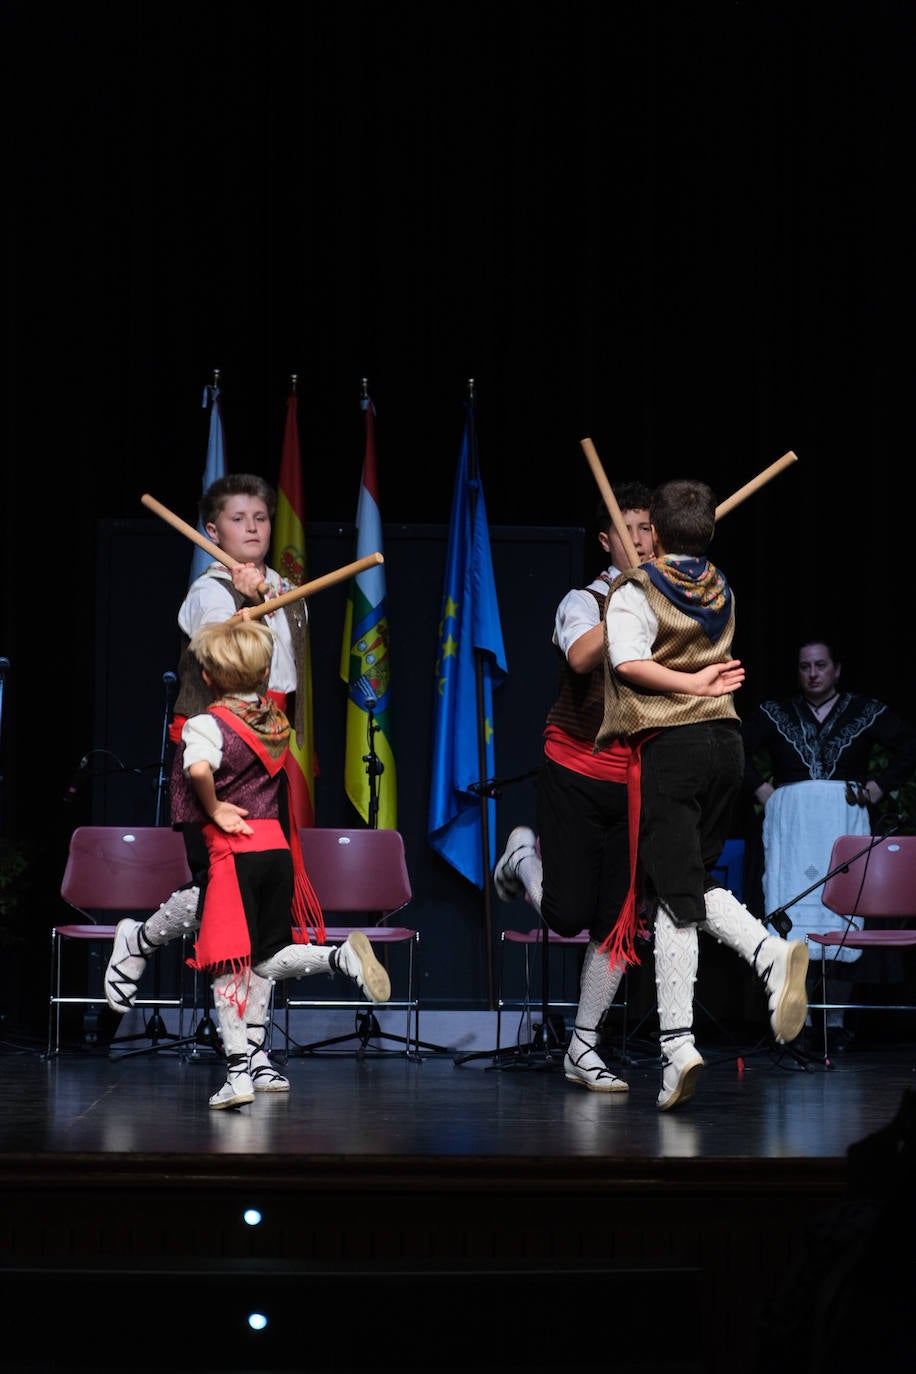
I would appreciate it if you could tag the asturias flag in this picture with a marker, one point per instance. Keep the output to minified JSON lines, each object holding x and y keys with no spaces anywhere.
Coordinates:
{"x":214,"y":467}
{"x":365,"y":665}
{"x":287,"y":556}
{"x":470,"y":642}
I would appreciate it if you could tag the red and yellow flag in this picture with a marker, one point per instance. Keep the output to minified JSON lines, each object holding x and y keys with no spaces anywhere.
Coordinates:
{"x":288,"y":558}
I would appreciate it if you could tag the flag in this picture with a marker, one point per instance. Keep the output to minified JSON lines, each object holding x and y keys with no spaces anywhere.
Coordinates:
{"x":470,"y":647}
{"x":214,"y":467}
{"x":287,"y":557}
{"x":365,"y":664}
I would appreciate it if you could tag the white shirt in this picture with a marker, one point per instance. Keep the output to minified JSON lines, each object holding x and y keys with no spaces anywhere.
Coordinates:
{"x":209,"y":601}
{"x":203,"y":742}
{"x":578,"y":611}
{"x":203,"y":738}
{"x":632,"y":626}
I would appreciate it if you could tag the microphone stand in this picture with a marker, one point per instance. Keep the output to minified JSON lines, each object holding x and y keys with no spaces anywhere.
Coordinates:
{"x":162,"y":782}
{"x":155,"y":1025}
{"x":374,"y":766}
{"x":778,"y":918}
{"x":544,"y":1050}
{"x":155,"y":1028}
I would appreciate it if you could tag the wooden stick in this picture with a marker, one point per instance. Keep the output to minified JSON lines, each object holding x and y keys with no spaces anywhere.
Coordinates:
{"x":610,"y":501}
{"x":755,"y":483}
{"x":190,"y":532}
{"x":371,"y":560}
{"x":723,"y":508}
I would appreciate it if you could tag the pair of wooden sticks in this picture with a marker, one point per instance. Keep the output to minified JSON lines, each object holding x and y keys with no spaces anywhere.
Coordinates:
{"x":374,"y":559}
{"x":723,"y":508}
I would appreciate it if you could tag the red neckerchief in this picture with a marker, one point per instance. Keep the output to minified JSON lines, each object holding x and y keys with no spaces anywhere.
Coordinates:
{"x":262,"y":728}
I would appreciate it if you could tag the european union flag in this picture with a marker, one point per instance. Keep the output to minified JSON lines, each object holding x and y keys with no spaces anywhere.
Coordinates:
{"x":471,"y":662}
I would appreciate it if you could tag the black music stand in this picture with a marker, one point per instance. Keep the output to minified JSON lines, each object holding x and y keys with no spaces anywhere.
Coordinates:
{"x":544,"y":1051}
{"x":367,"y":1027}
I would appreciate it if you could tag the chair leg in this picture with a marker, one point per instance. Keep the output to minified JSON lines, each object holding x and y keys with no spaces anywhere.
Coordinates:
{"x":54,"y":998}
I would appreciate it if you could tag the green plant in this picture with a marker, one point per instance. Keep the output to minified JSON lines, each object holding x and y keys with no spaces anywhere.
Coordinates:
{"x":898,"y":808}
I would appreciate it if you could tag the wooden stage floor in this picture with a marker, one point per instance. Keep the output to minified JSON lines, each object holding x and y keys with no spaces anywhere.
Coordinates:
{"x":445,"y":1214}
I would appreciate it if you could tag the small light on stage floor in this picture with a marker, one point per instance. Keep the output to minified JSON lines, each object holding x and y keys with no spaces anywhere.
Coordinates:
{"x":251,"y":1216}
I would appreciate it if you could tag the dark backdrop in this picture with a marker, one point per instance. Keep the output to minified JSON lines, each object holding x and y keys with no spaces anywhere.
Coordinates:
{"x":680,"y":228}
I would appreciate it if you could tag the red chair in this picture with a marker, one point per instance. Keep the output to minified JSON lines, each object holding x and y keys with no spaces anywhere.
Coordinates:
{"x":130,"y":870}
{"x":875,"y":880}
{"x":361,"y":871}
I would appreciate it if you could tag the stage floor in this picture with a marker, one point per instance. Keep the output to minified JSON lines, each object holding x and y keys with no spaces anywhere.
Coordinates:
{"x":754,"y":1102}
{"x":443,"y":1214}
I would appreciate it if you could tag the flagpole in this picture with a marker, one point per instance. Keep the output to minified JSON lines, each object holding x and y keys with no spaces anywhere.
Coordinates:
{"x":481,"y":727}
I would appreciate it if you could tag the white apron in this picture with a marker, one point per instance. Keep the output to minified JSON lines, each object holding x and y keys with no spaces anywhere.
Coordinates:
{"x":800,"y":823}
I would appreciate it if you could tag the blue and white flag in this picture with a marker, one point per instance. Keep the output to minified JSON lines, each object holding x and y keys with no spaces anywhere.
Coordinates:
{"x":214,"y":467}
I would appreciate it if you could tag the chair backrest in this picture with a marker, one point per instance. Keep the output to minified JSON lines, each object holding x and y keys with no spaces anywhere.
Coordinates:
{"x":123,"y":868}
{"x":357,"y":870}
{"x":879,"y":882}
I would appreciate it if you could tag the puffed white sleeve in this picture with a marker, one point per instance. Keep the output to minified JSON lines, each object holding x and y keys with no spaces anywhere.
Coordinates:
{"x":203,"y":742}
{"x":209,"y":600}
{"x":631,"y":625}
{"x":576,"y":613}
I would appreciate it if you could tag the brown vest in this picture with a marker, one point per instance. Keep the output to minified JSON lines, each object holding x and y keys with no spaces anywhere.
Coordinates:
{"x":579,"y":707}
{"x":680,"y":644}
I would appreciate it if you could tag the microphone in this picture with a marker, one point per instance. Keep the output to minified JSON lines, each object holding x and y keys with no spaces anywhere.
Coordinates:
{"x":487,"y":788}
{"x":368,"y":691}
{"x":76,"y":778}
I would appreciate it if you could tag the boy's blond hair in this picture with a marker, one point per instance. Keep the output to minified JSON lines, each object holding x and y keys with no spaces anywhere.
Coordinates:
{"x":235,"y":654}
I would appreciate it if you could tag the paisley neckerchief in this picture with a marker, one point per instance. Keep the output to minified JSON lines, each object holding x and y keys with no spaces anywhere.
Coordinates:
{"x":263,"y":717}
{"x":697,"y":588}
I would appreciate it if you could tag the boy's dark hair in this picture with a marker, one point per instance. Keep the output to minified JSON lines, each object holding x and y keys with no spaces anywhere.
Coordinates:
{"x":235,"y":484}
{"x":684,"y":515}
{"x":629,"y":496}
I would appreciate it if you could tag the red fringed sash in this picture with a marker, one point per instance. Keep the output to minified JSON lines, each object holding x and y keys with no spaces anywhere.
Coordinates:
{"x":620,"y":945}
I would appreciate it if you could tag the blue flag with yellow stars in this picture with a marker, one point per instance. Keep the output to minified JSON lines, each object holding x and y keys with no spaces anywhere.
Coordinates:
{"x":471,"y":662}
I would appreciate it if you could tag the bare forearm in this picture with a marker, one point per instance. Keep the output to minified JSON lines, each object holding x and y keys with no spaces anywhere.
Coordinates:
{"x":201,"y":779}
{"x":719,"y":679}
